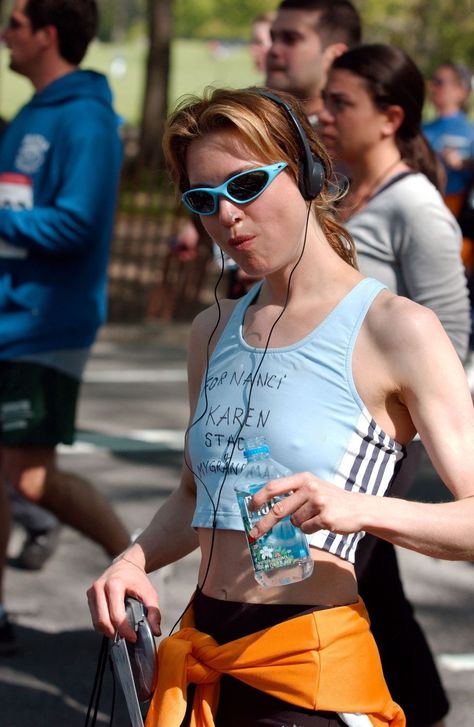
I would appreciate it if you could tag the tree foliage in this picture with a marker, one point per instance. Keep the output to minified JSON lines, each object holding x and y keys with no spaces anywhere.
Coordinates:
{"x":431,"y":32}
{"x":217,"y":18}
{"x":118,"y":16}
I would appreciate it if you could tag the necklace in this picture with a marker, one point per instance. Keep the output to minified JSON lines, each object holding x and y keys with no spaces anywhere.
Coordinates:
{"x":350,"y":210}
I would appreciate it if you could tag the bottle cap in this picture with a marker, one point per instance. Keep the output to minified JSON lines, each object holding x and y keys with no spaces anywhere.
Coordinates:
{"x":256,"y":445}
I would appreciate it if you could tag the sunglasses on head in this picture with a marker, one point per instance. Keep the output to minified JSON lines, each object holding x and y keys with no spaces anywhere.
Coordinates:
{"x":241,"y":188}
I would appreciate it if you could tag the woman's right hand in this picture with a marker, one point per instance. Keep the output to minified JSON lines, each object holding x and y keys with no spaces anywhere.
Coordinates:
{"x":107,"y":594}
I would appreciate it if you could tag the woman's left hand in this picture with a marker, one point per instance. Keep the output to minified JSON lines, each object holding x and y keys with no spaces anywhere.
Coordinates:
{"x":312,"y":503}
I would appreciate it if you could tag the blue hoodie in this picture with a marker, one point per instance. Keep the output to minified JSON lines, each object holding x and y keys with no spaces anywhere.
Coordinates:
{"x":60,"y":162}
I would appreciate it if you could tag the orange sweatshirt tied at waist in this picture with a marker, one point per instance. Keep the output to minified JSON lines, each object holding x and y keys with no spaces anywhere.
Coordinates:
{"x":325,"y":660}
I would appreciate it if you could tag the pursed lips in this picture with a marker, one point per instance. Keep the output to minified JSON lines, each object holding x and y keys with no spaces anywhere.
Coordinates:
{"x":276,"y":69}
{"x":239,"y":240}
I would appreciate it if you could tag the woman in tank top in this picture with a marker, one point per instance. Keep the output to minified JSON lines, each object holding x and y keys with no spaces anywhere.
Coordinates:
{"x":337,"y":373}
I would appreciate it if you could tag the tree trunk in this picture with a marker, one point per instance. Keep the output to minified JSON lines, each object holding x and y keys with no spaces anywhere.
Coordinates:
{"x":155,"y":103}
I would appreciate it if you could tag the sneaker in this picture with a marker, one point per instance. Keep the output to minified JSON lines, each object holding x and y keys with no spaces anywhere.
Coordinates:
{"x":8,"y":643}
{"x":37,"y":549}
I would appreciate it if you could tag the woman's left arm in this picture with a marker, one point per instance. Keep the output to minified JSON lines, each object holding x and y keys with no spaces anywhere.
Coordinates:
{"x":433,"y":387}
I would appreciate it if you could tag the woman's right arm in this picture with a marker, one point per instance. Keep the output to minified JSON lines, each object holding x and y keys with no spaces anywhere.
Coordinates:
{"x":169,"y":536}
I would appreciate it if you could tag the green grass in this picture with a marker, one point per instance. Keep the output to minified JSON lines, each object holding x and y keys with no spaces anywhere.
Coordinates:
{"x":193,"y":67}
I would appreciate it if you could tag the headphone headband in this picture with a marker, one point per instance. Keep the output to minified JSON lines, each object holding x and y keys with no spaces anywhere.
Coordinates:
{"x":311,"y":177}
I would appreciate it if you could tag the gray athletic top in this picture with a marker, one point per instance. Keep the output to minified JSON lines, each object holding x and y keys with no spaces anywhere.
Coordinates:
{"x":408,"y":239}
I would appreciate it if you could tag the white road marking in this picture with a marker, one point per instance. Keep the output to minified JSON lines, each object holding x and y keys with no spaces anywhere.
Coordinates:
{"x":77,"y":448}
{"x":457,"y":662}
{"x":161,"y":436}
{"x":170,"y":438}
{"x":135,"y":376}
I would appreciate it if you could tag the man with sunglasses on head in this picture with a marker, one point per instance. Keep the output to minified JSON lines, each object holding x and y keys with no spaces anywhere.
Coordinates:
{"x":60,"y":162}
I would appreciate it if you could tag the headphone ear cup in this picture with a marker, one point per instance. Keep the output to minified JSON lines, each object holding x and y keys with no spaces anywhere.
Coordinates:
{"x":311,"y":178}
{"x":311,"y":173}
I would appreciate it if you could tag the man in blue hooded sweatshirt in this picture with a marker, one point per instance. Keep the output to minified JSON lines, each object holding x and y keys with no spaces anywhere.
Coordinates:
{"x":60,"y":163}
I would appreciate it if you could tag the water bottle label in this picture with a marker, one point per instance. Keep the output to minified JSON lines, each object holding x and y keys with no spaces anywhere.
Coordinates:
{"x":254,"y":515}
{"x":282,"y":547}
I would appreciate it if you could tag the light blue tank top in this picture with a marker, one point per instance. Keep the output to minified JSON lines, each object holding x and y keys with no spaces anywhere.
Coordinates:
{"x":303,"y":400}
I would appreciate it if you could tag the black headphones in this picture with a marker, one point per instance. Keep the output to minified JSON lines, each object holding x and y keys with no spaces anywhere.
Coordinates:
{"x":311,"y":171}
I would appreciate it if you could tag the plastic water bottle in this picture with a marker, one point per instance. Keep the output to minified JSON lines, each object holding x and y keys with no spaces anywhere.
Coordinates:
{"x":282,"y":555}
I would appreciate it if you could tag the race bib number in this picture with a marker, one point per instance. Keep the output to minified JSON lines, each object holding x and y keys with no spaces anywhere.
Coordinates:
{"x":16,"y":193}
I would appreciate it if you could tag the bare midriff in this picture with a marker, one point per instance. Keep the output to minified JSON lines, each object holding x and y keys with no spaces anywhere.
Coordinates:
{"x":230,"y":575}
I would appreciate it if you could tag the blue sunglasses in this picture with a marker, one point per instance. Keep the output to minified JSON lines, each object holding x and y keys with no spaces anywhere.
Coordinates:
{"x":241,"y":188}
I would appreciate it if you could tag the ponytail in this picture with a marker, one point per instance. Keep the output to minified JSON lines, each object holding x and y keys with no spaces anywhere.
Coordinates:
{"x":419,"y":155}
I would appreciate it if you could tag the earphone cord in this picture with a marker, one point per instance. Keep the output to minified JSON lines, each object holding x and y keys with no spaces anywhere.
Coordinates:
{"x":94,"y":702}
{"x":91,"y":719}
{"x":215,"y":505}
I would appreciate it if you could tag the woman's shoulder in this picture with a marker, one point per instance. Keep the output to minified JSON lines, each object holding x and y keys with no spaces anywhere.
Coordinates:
{"x":412,"y":183}
{"x":212,"y":321}
{"x":412,"y":194}
{"x":396,"y":321}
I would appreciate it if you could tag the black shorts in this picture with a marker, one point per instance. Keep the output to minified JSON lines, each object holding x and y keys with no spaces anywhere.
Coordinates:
{"x":240,"y":704}
{"x":37,"y":405}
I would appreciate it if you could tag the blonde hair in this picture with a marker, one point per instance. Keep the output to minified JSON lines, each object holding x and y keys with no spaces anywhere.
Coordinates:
{"x":267,"y":131}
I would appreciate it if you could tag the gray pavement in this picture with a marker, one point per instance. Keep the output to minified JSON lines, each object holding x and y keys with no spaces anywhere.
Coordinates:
{"x":132,"y":417}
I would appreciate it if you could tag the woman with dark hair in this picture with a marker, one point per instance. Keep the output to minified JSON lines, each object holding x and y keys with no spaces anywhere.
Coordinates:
{"x":407,"y":238}
{"x":337,"y":373}
{"x":403,"y":232}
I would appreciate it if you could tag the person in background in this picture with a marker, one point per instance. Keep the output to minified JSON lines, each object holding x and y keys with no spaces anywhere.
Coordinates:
{"x":307,"y":36}
{"x":260,"y":40}
{"x":41,"y":527}
{"x":451,"y":134}
{"x":42,"y":530}
{"x":60,"y":161}
{"x":406,"y":237}
{"x":337,"y":373}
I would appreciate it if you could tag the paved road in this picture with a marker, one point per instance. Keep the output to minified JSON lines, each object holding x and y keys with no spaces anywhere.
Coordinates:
{"x":132,"y":416}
